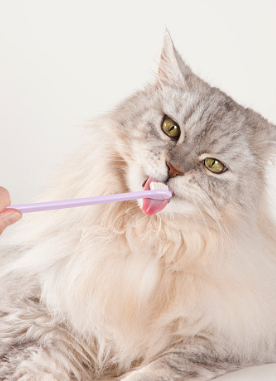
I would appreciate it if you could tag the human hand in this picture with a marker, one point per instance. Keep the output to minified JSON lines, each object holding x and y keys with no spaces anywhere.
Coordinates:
{"x":7,"y":216}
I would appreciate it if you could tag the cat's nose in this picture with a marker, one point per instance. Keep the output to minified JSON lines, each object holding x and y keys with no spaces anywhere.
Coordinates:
{"x":173,"y":171}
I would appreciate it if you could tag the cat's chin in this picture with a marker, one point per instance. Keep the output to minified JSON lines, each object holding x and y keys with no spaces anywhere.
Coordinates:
{"x":178,"y":207}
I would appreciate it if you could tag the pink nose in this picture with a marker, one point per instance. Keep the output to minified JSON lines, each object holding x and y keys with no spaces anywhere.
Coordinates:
{"x":174,"y":171}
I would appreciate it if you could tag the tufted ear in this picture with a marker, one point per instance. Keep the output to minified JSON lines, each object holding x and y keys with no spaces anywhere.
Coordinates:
{"x":172,"y":69}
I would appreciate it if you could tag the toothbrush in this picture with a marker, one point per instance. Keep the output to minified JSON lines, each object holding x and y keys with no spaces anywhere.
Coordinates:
{"x":155,"y":194}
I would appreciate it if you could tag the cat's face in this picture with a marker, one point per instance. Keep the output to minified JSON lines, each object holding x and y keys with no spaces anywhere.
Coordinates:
{"x":217,"y":162}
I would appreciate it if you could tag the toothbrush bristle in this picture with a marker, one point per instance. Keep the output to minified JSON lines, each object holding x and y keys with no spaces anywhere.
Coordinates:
{"x":155,"y":185}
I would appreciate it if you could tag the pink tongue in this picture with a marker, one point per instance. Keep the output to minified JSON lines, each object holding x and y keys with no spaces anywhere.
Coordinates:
{"x":150,"y":206}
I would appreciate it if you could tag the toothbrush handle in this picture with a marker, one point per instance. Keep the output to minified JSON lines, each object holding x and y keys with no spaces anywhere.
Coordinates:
{"x":158,"y":194}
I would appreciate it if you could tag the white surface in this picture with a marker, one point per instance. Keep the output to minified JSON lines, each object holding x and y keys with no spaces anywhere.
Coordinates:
{"x":254,"y":373}
{"x":64,"y":62}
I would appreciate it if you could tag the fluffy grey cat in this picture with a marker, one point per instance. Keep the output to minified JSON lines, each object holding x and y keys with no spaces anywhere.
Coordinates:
{"x":146,"y":290}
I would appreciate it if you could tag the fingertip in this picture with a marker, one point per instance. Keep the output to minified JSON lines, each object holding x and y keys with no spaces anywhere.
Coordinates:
{"x":5,"y":199}
{"x":13,"y":217}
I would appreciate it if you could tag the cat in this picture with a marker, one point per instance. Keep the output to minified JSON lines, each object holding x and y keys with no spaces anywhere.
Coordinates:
{"x":149,"y":291}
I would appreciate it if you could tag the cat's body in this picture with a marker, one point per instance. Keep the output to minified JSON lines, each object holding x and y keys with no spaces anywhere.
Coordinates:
{"x":107,"y":291}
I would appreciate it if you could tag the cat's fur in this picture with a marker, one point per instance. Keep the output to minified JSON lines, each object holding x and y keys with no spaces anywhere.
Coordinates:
{"x":187,"y":294}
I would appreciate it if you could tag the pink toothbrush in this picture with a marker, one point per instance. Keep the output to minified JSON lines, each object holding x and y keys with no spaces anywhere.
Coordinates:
{"x":156,"y":194}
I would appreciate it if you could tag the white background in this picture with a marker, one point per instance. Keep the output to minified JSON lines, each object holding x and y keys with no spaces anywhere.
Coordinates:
{"x":64,"y":62}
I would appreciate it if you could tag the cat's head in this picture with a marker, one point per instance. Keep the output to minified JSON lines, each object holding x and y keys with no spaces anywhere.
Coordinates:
{"x":209,"y":150}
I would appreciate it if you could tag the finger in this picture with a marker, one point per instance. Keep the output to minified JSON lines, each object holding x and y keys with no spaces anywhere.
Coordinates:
{"x":5,"y":199}
{"x":9,"y":217}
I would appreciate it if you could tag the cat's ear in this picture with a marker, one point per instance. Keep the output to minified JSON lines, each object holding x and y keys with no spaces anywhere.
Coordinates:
{"x":172,"y":69}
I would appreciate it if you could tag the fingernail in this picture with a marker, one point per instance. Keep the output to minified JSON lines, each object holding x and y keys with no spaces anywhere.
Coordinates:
{"x":12,"y":218}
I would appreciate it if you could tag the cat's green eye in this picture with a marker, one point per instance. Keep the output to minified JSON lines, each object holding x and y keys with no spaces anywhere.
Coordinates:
{"x":171,"y":128}
{"x":214,"y":165}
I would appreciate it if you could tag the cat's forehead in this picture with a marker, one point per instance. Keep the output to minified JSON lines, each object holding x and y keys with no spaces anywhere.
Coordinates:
{"x":209,"y":119}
